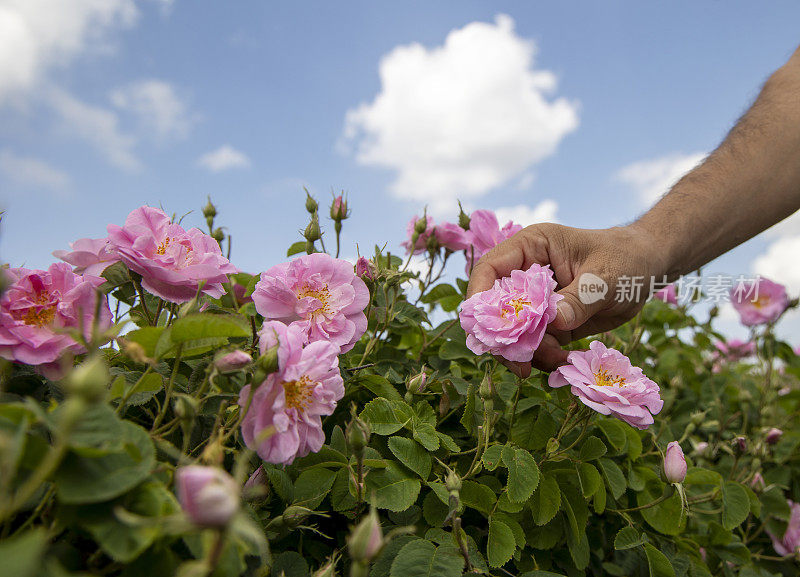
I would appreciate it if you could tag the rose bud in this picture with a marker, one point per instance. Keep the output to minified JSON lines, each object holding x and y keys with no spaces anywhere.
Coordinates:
{"x":674,"y":463}
{"x":365,"y":269}
{"x":758,"y":483}
{"x":774,"y":435}
{"x":209,"y":496}
{"x":233,"y":361}
{"x":339,"y":208}
{"x":311,"y":204}
{"x":740,"y":443}
{"x":366,"y":539}
{"x":701,"y":448}
{"x":257,"y":486}
{"x":416,"y":384}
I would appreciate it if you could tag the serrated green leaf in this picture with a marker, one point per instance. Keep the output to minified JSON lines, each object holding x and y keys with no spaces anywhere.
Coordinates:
{"x":378,"y":386}
{"x":589,"y":478}
{"x":546,"y":500}
{"x":592,"y":448}
{"x":206,"y":325}
{"x":613,"y":476}
{"x":478,"y":496}
{"x":492,"y":457}
{"x":296,"y":248}
{"x":312,"y":486}
{"x":392,"y":488}
{"x":735,"y":505}
{"x":658,"y":563}
{"x":421,"y":558}
{"x":383,"y":417}
{"x":412,"y":455}
{"x":468,"y":416}
{"x":501,"y":543}
{"x":628,"y":538}
{"x":523,"y":473}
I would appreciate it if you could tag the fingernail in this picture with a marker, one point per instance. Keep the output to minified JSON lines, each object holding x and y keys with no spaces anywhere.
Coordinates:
{"x":566,"y":312}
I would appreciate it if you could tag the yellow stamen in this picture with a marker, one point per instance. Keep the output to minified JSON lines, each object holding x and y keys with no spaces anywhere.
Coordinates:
{"x":162,"y":248}
{"x":298,"y":393}
{"x":36,"y":316}
{"x":517,"y":305}
{"x":602,"y":378}
{"x":322,"y":295}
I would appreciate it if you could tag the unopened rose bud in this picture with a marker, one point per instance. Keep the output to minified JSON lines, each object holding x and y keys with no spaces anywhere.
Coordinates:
{"x":365,"y":269}
{"x":327,"y":570}
{"x":433,"y":243}
{"x":757,"y":483}
{"x":358,"y":433}
{"x":209,"y":496}
{"x":463,"y":217}
{"x":485,"y":389}
{"x":701,"y":448}
{"x":741,"y":444}
{"x":294,"y":515}
{"x":417,"y":383}
{"x":311,"y":204}
{"x":312,"y":232}
{"x":218,"y":235}
{"x":366,"y":539}
{"x":134,"y":351}
{"x":421,"y":225}
{"x":452,"y":482}
{"x":268,"y":362}
{"x":209,"y":210}
{"x":674,"y":463}
{"x":185,"y":407}
{"x":257,"y":486}
{"x":339,"y":208}
{"x":233,"y":361}
{"x":774,"y":435}
{"x":90,"y":379}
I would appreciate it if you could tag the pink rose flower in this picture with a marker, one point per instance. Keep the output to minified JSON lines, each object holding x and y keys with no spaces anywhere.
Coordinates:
{"x":510,"y":319}
{"x":233,"y":361}
{"x":674,"y":463}
{"x":39,"y":306}
{"x":604,"y":380}
{"x":284,"y":420}
{"x":89,"y":255}
{"x":759,"y":302}
{"x":485,"y":234}
{"x":789,"y":543}
{"x":209,"y":496}
{"x":735,"y":349}
{"x":320,"y":294}
{"x":448,"y":235}
{"x":668,"y":294}
{"x":365,"y":268}
{"x":171,"y":260}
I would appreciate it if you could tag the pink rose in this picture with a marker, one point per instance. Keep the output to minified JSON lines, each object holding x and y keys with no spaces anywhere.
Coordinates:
{"x":485,"y":234}
{"x":759,"y":302}
{"x":209,"y":496}
{"x":284,"y":420}
{"x":735,"y":349}
{"x":366,"y":539}
{"x":233,"y":361}
{"x":674,"y":463}
{"x":789,"y":543}
{"x":318,"y":293}
{"x":668,"y":294}
{"x":510,"y":319}
{"x":172,"y":261}
{"x":89,"y":255}
{"x":39,"y":306}
{"x":604,"y":380}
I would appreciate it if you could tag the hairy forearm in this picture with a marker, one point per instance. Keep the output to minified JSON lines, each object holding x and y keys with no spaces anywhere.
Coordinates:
{"x":749,"y":183}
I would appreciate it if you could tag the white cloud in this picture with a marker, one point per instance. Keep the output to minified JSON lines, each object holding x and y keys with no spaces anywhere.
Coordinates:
{"x":458,"y":120}
{"x":31,"y":172}
{"x":157,"y":105}
{"x":525,"y":215}
{"x":36,"y":35}
{"x":224,"y":158}
{"x":780,"y":262}
{"x":652,"y":178}
{"x":98,"y":126}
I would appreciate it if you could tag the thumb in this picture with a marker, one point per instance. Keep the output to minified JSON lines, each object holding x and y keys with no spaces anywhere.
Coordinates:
{"x":578,"y":305}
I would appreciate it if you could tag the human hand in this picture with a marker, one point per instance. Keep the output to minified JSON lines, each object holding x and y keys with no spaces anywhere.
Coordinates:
{"x":571,"y":252}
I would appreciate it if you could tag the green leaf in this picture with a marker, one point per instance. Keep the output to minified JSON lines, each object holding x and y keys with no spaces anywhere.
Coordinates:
{"x":614,"y":477}
{"x":478,"y":496}
{"x":589,"y":478}
{"x":592,"y":448}
{"x":667,"y":517}
{"x":576,"y":509}
{"x":501,"y":544}
{"x":383,"y":418}
{"x":22,"y":554}
{"x":82,"y":479}
{"x":579,"y":549}
{"x":312,"y":485}
{"x":289,"y":564}
{"x":628,"y":538}
{"x":421,"y":558}
{"x":426,"y":435}
{"x":698,"y":476}
{"x":296,"y":248}
{"x":412,"y":455}
{"x":147,"y":337}
{"x":546,"y":501}
{"x":467,"y":419}
{"x":634,"y":443}
{"x":378,"y":386}
{"x":454,"y":350}
{"x":614,"y":432}
{"x":533,"y":434}
{"x":735,"y":505}
{"x":391,"y":488}
{"x":658,"y":563}
{"x":205,"y":325}
{"x":492,"y":457}
{"x":523,"y":473}
{"x":439,"y":292}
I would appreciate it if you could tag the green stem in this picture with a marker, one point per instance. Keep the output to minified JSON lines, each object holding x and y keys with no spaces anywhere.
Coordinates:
{"x":170,"y":386}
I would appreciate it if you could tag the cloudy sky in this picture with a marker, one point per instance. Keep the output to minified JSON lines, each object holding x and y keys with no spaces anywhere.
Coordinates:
{"x":582,"y":113}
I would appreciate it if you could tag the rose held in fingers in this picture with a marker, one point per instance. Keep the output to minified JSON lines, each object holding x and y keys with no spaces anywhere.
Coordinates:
{"x":510,"y":319}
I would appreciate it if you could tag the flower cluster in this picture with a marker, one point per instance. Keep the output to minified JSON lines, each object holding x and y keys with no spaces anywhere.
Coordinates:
{"x":40,"y":308}
{"x":510,"y":319}
{"x":283,"y":415}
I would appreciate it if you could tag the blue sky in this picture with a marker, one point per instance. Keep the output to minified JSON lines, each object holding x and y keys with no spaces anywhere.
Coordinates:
{"x":109,"y":104}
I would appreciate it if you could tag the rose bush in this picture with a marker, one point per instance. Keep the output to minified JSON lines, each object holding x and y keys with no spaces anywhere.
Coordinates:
{"x":334,"y":418}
